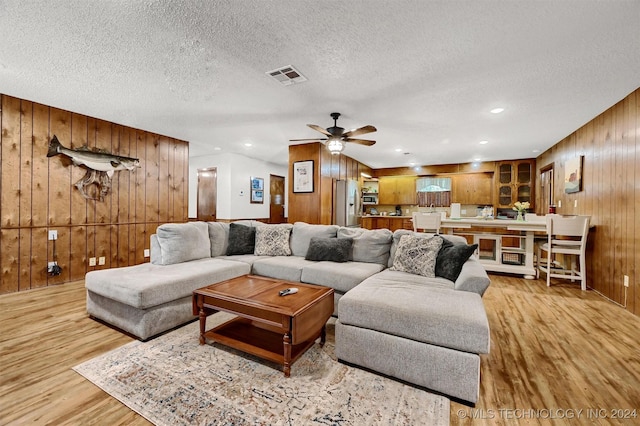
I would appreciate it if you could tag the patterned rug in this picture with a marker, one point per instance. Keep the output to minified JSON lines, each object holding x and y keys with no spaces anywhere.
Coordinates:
{"x":172,"y":380}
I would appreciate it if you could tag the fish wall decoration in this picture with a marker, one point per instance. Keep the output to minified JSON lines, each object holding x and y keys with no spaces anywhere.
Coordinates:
{"x":100,"y":166}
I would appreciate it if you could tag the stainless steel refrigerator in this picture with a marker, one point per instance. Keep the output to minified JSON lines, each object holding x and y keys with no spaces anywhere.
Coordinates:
{"x":347,"y":203}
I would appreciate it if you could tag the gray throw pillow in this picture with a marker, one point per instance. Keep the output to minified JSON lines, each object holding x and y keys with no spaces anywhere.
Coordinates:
{"x":273,"y":240}
{"x":331,"y":249}
{"x":242,"y":239}
{"x":182,"y":242}
{"x":451,"y":258}
{"x":417,"y":255}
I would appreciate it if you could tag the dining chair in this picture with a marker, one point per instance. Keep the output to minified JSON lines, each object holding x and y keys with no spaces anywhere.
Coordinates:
{"x":426,"y":221}
{"x":566,"y":235}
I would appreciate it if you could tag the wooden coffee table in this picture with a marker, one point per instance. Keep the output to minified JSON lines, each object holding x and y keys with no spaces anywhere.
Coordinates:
{"x":270,"y":326}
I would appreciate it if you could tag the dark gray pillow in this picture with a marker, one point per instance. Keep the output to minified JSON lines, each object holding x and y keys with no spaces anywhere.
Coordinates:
{"x":332,"y":249}
{"x":242,"y":239}
{"x":451,"y":258}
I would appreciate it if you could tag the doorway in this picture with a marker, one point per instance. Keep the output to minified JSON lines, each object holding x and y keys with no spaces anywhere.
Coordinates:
{"x":546,"y":188}
{"x":276,"y":204}
{"x":207,"y":194}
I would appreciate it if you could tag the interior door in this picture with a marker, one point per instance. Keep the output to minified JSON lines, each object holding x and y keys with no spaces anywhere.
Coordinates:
{"x":276,"y":204}
{"x":207,"y":194}
{"x":546,"y":189}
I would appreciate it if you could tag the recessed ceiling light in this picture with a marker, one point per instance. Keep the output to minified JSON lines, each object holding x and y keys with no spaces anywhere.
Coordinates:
{"x":398,"y":149}
{"x":247,"y":144}
{"x":536,"y":150}
{"x":497,"y":110}
{"x":476,"y":159}
{"x":217,"y":148}
{"x":484,"y":142}
{"x":412,"y":164}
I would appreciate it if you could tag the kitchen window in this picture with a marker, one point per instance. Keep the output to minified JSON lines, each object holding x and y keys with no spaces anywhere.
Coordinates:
{"x":434,"y":191}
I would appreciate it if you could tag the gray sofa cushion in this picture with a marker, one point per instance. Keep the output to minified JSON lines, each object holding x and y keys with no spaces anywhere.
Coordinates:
{"x":329,"y":249}
{"x":182,"y":242}
{"x":302,"y":233}
{"x":218,"y":236}
{"x":341,"y":278}
{"x":146,"y":285}
{"x":439,"y":316}
{"x":287,"y":268}
{"x":417,"y":255}
{"x":369,"y":245}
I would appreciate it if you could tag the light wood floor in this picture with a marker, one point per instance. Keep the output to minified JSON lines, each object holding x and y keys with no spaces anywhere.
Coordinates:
{"x":552,"y":348}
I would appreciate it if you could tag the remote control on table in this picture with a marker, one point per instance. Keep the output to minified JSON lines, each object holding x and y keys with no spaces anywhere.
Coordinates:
{"x":287,"y":291}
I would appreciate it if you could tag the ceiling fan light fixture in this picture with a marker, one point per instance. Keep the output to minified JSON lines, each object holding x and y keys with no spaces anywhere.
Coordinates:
{"x":335,"y":145}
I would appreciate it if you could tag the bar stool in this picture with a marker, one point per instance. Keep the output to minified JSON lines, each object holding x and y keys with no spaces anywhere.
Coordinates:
{"x":426,"y":222}
{"x":566,"y":235}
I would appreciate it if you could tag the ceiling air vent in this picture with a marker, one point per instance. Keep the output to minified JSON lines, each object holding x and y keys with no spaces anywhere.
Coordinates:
{"x":287,"y":75}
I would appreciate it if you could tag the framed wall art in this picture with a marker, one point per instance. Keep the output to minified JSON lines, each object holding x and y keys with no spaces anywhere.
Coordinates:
{"x":573,"y":175}
{"x":303,"y":176}
{"x":257,"y":190}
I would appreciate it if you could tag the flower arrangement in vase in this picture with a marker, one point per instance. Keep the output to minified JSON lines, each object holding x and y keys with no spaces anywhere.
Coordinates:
{"x":521,"y":208}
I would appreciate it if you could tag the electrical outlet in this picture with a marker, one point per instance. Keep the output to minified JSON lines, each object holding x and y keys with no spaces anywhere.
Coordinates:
{"x":53,"y":235}
{"x":146,"y":253}
{"x":92,"y":261}
{"x":50,"y":266}
{"x":626,"y":280}
{"x":559,"y":203}
{"x":575,"y":203}
{"x":102,"y":260}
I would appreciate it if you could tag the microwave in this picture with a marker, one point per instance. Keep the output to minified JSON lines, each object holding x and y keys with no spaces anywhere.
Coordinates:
{"x":369,"y":199}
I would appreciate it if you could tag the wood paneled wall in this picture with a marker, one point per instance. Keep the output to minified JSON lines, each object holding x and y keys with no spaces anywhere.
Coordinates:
{"x":317,"y":207}
{"x":610,"y":144}
{"x":37,"y":194}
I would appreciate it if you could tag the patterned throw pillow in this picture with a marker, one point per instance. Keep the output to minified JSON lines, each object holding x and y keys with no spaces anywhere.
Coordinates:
{"x":417,"y":255}
{"x":273,"y":240}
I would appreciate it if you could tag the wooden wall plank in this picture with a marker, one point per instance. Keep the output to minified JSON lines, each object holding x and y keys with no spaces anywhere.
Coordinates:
{"x":60,"y":171}
{"x":115,"y":187}
{"x":151,"y":181}
{"x":123,"y":245}
{"x":9,"y":260}
{"x":103,"y":142}
{"x":79,"y":139}
{"x":174,"y":177}
{"x":24,"y":263}
{"x":78,"y":260}
{"x":140,"y":178}
{"x":39,"y":257}
{"x":59,"y":251}
{"x":103,"y":245}
{"x":164,"y":175}
{"x":40,"y":168}
{"x":123,"y":179}
{"x":10,"y":173}
{"x":26,"y":162}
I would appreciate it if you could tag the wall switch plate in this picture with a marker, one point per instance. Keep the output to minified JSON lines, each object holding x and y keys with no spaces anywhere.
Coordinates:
{"x":92,"y":261}
{"x":626,"y":280}
{"x":53,"y":235}
{"x":50,"y":266}
{"x":102,"y":260}
{"x":559,"y":203}
{"x":146,"y":253}
{"x":575,"y":203}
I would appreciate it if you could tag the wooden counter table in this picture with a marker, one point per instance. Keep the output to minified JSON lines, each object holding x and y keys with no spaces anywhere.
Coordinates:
{"x":503,"y":245}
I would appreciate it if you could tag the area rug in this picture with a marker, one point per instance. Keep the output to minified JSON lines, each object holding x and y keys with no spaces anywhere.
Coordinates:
{"x":172,"y":380}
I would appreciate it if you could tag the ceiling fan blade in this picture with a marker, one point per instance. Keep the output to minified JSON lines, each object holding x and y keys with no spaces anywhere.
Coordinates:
{"x":314,"y":139}
{"x":319,"y":129}
{"x":360,"y":131}
{"x":366,"y":142}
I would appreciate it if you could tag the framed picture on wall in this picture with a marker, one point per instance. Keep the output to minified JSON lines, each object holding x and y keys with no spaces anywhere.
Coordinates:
{"x":303,"y":176}
{"x":257,"y":190}
{"x":573,"y":175}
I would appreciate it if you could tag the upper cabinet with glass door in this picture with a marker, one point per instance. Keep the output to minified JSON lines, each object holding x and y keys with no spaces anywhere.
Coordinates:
{"x":515,"y":182}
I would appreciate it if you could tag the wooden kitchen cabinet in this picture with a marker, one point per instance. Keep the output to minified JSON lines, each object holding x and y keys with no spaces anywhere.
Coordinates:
{"x":472,"y":188}
{"x":515,"y":182}
{"x":397,"y":190}
{"x":388,"y":222}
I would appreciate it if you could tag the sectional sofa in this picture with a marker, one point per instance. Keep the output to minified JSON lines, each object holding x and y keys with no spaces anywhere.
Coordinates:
{"x":408,"y":305}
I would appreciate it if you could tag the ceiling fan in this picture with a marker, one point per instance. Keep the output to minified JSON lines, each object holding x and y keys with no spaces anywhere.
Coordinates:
{"x":336,"y":136}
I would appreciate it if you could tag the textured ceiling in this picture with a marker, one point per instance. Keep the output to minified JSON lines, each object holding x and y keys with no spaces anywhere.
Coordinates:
{"x":425,"y":73}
